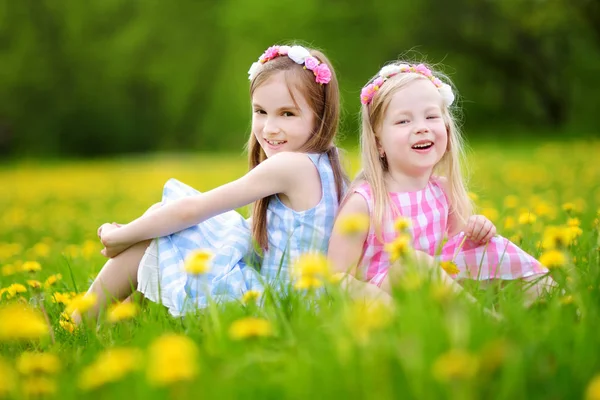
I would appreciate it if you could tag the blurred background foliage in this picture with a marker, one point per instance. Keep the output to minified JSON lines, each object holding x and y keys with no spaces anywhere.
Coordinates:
{"x":117,"y":76}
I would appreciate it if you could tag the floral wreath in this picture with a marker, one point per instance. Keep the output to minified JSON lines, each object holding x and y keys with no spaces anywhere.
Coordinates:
{"x":368,"y":92}
{"x":299,"y":55}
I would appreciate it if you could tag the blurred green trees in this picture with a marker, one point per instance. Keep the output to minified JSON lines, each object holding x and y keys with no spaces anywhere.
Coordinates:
{"x":99,"y":77}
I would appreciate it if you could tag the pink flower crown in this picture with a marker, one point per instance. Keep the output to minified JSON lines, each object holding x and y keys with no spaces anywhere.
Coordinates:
{"x":368,"y":92}
{"x":299,"y":55}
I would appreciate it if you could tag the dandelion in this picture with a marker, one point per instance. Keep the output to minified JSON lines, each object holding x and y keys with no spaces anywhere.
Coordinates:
{"x":41,"y":249}
{"x":527,"y":218}
{"x":251,"y":296}
{"x":455,"y":365}
{"x":509,"y":223}
{"x":34,"y":284}
{"x":21,"y":322}
{"x":37,"y":386}
{"x":8,"y":270}
{"x":7,"y":378}
{"x":553,"y":259}
{"x":450,"y":267}
{"x":568,"y":207}
{"x":30,"y":363}
{"x":66,"y":322}
{"x":81,"y":303}
{"x":556,"y":237}
{"x":573,"y":222}
{"x":61,"y":298}
{"x":250,"y":327}
{"x":179,"y":353}
{"x":31,"y":266}
{"x":363,"y":319}
{"x":122,"y":311}
{"x":353,"y":224}
{"x":110,"y":366}
{"x":14,"y":289}
{"x":402,"y":224}
{"x":311,"y":271}
{"x":490,"y":213}
{"x":593,"y":390}
{"x":198,"y":262}
{"x":399,"y":248}
{"x":51,"y":280}
{"x":473,"y":196}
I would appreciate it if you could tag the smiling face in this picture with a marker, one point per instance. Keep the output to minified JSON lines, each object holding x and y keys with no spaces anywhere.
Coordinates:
{"x":278,"y":122}
{"x":413,"y":134}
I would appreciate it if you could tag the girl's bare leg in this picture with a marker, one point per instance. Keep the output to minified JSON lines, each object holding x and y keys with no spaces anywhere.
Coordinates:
{"x":117,"y":279}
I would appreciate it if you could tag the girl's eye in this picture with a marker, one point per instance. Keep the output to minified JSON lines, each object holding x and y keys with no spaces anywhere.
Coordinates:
{"x":259,"y":111}
{"x":402,"y":122}
{"x":288,"y":114}
{"x":433,"y":117}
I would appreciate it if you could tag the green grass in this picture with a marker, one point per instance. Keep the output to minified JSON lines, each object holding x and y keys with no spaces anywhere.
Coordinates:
{"x":432,"y":345}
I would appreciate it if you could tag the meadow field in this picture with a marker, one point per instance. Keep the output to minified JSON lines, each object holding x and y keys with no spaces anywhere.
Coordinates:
{"x":544,"y":196}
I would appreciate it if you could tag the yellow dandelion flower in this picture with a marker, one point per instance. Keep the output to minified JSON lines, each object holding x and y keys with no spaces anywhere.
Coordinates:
{"x":527,"y":218}
{"x":402,"y":224}
{"x":593,"y":390}
{"x":311,"y":271}
{"x":110,"y":366}
{"x":490,"y":213}
{"x":450,"y":267}
{"x":81,"y":303}
{"x":568,"y":207}
{"x":67,"y":325}
{"x":553,"y":259}
{"x":63,"y":298}
{"x":89,"y":249}
{"x":8,"y":270}
{"x":14,"y":289}
{"x":509,"y":223}
{"x":51,"y":280}
{"x":251,"y":296}
{"x":179,"y":353}
{"x":198,"y":262}
{"x":511,"y":201}
{"x":353,"y":224}
{"x":34,"y":284}
{"x":38,"y":386}
{"x":21,"y":322}
{"x":517,"y":238}
{"x":250,"y":327}
{"x":363,"y":319}
{"x":573,"y":222}
{"x":473,"y":196}
{"x":455,"y":365}
{"x":399,"y":248}
{"x":7,"y":379}
{"x":41,"y":249}
{"x":122,"y":311}
{"x":30,"y":363}
{"x":556,"y":237}
{"x":31,"y":266}
{"x":575,"y":232}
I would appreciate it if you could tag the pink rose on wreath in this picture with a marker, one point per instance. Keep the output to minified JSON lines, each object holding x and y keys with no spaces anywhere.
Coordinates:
{"x":367,"y":93}
{"x":270,"y":53}
{"x":378,"y":82}
{"x":423,"y":70}
{"x":437,"y":82}
{"x":283,"y":50}
{"x":311,"y":63}
{"x":322,"y":73}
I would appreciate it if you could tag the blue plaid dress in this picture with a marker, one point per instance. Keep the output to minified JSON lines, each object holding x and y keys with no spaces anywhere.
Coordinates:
{"x":236,"y":268}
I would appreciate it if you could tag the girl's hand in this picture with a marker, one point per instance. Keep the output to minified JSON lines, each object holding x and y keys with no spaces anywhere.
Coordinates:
{"x":111,"y":247}
{"x":480,"y":229}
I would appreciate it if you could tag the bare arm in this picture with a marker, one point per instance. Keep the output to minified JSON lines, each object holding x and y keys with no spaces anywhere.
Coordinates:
{"x":278,"y":174}
{"x":345,"y":251}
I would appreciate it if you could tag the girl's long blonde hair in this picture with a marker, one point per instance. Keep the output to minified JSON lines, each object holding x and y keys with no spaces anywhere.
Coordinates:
{"x":324,"y":101}
{"x":374,"y":167}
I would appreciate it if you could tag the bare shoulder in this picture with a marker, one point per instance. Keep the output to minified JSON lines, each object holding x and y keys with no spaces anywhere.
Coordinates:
{"x":288,"y":163}
{"x":354,"y":204}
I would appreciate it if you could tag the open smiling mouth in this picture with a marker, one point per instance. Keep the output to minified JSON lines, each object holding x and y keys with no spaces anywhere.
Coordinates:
{"x":422,"y":145}
{"x":275,"y":142}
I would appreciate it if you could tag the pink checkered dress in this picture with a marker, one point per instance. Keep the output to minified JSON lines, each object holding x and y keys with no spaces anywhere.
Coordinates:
{"x":428,"y":210}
